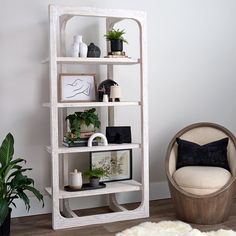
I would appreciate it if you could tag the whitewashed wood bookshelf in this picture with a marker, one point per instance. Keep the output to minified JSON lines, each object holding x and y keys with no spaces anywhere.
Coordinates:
{"x":62,"y":215}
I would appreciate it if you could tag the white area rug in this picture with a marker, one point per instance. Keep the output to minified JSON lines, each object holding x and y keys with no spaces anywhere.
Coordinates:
{"x":171,"y":228}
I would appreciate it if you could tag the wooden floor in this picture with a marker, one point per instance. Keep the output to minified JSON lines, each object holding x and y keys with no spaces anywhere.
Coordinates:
{"x":159,"y":210}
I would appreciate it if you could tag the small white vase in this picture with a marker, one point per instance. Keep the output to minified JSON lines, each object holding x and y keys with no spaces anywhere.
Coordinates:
{"x":83,"y":48}
{"x":75,"y":179}
{"x":75,"y":47}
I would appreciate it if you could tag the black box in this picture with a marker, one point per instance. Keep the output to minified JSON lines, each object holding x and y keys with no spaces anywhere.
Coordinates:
{"x":118,"y":134}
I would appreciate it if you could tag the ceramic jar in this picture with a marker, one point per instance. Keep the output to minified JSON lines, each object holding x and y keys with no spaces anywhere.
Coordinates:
{"x":75,"y":179}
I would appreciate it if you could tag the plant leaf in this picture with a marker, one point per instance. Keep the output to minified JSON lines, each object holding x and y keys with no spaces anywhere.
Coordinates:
{"x":17,"y":172}
{"x":24,"y":197}
{"x":7,"y":150}
{"x":37,"y":194}
{"x":4,"y":209}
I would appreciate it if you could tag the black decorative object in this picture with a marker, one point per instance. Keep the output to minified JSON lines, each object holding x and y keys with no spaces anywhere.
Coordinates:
{"x":118,"y":134}
{"x":210,"y":154}
{"x":104,"y":88}
{"x":86,"y":186}
{"x":116,"y":45}
{"x":93,"y":50}
{"x":5,"y":227}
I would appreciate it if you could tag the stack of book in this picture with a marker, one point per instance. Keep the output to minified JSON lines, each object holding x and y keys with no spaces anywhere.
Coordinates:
{"x":82,"y":142}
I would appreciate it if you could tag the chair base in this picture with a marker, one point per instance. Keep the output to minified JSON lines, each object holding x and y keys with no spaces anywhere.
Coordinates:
{"x":206,"y":210}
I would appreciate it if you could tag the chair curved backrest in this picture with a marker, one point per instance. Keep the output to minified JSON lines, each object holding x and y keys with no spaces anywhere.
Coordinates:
{"x":200,"y":133}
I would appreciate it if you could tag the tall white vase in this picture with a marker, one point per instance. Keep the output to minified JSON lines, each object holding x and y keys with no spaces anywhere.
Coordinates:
{"x":75,"y":47}
{"x":83,"y":48}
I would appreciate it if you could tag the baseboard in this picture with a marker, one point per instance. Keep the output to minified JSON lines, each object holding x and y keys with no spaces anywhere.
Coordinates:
{"x":158,"y":190}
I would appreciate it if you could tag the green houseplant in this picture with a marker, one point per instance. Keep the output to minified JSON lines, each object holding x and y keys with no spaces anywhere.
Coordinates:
{"x":13,"y":183}
{"x":116,"y":38}
{"x":79,"y":121}
{"x":94,"y":175}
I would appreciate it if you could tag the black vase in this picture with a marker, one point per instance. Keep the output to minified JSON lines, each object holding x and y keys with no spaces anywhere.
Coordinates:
{"x":104,"y":88}
{"x":116,"y":45}
{"x":5,"y":227}
{"x":93,"y":50}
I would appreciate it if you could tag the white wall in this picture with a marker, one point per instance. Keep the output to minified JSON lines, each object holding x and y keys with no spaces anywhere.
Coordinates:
{"x":191,"y":53}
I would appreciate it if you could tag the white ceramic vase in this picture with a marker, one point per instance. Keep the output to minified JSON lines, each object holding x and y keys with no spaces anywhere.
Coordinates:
{"x":75,"y":47}
{"x":83,"y":48}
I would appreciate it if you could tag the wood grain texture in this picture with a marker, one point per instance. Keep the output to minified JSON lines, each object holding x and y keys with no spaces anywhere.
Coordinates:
{"x":212,"y":208}
{"x":159,"y":210}
{"x":58,"y":18}
{"x":205,"y":210}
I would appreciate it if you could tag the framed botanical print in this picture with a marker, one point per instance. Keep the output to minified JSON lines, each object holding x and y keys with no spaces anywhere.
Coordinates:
{"x":118,"y":164}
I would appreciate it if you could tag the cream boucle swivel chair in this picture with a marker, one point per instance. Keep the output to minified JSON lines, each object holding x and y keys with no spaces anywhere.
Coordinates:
{"x":202,"y":194}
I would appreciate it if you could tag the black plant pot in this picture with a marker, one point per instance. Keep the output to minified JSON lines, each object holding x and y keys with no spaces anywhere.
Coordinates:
{"x":5,"y":227}
{"x":116,"y":45}
{"x":94,"y":182}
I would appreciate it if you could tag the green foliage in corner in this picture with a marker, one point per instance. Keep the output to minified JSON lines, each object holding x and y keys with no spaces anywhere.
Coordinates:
{"x":13,"y":183}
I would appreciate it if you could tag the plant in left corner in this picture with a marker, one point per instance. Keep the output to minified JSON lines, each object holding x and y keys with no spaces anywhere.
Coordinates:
{"x":13,"y":183}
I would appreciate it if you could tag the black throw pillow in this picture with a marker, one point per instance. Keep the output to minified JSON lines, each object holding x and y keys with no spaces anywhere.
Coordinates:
{"x":210,"y":154}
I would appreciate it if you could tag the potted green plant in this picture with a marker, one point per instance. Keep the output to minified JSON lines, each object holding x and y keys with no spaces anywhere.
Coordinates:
{"x":13,"y":183}
{"x":85,"y":121}
{"x":116,"y":38}
{"x":94,"y":175}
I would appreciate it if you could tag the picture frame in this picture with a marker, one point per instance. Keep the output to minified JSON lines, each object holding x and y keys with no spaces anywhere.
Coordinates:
{"x":118,"y":164}
{"x":77,"y":87}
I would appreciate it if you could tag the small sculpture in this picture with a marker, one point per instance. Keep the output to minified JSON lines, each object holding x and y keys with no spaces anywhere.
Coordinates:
{"x":104,"y":88}
{"x":75,"y":47}
{"x":93,"y":50}
{"x":96,"y":135}
{"x":79,"y":48}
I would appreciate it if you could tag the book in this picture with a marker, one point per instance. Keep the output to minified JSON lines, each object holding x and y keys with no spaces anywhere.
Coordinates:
{"x":79,"y":143}
{"x":85,"y":134}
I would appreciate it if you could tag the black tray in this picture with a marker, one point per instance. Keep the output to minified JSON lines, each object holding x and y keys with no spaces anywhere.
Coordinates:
{"x":84,"y":187}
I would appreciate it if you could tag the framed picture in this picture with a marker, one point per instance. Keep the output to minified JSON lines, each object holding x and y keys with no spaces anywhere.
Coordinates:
{"x":77,"y":87}
{"x":117,"y":163}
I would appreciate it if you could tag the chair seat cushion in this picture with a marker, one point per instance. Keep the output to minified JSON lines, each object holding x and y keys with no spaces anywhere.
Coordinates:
{"x":201,"y":180}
